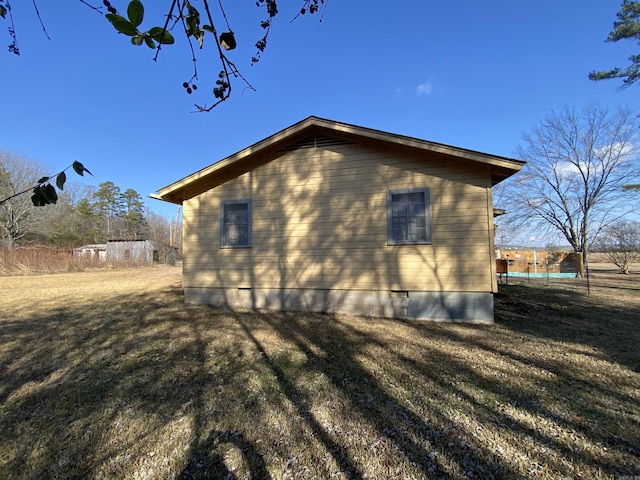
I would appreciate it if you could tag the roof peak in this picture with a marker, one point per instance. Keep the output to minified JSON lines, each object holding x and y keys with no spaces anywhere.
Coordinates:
{"x":502,"y":167}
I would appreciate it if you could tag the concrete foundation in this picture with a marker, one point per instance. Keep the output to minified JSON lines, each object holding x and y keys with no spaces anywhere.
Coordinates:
{"x":436,"y":306}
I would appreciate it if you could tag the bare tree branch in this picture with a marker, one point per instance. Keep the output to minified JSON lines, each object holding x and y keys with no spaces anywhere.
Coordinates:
{"x":44,"y":29}
{"x":577,"y":165}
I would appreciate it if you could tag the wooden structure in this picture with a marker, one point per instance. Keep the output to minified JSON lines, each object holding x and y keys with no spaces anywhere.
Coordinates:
{"x":93,"y":252}
{"x":502,"y":270}
{"x":523,"y":261}
{"x":141,"y":252}
{"x":138,"y":252}
{"x":327,"y":216}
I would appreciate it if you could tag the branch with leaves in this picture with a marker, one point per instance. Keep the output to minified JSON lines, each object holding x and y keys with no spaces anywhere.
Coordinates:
{"x":184,"y":14}
{"x":626,"y":27}
{"x":44,"y":193}
{"x":5,"y":8}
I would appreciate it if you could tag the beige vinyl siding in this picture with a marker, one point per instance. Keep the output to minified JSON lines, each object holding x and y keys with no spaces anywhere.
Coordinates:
{"x":319,"y":221}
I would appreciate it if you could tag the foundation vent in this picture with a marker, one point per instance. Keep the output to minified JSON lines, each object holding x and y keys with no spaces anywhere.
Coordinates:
{"x":400,"y":293}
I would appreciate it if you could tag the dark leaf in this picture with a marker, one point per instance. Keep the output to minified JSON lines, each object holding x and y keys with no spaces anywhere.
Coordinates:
{"x":192,"y":26}
{"x":208,"y":28}
{"x":43,"y":179}
{"x":162,"y":36}
{"x":122,"y":24}
{"x":80,"y":169}
{"x":137,"y":40}
{"x":50,"y":194}
{"x":200,"y":37}
{"x":3,"y":11}
{"x":60,"y":179}
{"x":193,"y":11}
{"x":228,"y":40}
{"x":36,"y":198}
{"x":135,"y":12}
{"x":150,"y":43}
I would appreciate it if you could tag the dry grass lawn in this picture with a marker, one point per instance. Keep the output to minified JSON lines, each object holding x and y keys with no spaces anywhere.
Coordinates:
{"x":107,"y":374}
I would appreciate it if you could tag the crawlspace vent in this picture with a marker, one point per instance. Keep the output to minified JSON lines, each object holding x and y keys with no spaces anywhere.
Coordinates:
{"x":316,"y":141}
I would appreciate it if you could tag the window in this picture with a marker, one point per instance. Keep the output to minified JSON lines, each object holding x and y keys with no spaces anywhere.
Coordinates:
{"x":235,"y":223}
{"x":408,"y":217}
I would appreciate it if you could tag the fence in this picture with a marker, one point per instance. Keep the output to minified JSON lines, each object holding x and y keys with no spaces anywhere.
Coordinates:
{"x":538,"y":266}
{"x":40,"y":260}
{"x":539,"y":261}
{"x":28,"y":260}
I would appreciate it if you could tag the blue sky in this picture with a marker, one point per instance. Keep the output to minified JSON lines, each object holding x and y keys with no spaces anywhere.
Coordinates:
{"x":475,"y":74}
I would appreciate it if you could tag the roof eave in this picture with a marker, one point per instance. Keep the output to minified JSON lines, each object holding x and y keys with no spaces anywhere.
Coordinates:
{"x":501,"y":167}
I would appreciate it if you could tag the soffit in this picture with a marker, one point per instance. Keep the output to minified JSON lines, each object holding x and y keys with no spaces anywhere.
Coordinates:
{"x":319,"y":132}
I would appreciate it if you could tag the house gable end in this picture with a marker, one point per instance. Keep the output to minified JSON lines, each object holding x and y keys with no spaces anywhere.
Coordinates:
{"x":315,"y":132}
{"x":315,"y":140}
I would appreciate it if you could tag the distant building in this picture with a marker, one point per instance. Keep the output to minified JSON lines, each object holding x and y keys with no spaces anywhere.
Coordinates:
{"x":139,"y":252}
{"x":534,"y":262}
{"x":95,"y":251}
{"x":142,"y":252}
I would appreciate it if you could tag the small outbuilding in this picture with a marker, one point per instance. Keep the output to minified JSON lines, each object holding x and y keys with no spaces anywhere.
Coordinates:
{"x":139,"y":252}
{"x":332,"y":217}
{"x":93,"y":252}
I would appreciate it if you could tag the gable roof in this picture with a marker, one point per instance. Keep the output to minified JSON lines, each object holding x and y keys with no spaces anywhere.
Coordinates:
{"x":319,"y":131}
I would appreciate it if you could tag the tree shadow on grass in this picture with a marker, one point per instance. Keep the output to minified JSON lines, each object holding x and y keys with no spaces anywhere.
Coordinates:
{"x":106,"y":388}
{"x":146,"y":386}
{"x":442,"y":432}
{"x":206,"y":460}
{"x":563,"y":315}
{"x":332,"y":349}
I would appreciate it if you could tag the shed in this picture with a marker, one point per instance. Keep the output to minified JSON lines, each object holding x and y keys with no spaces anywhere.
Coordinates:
{"x":332,"y":217}
{"x":94,"y":251}
{"x":141,"y":252}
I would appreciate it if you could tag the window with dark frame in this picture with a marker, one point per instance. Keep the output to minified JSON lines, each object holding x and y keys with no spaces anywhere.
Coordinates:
{"x":408,"y":217}
{"x":235,"y":223}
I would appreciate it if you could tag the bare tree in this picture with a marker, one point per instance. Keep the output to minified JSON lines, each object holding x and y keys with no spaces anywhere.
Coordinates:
{"x":620,"y":242}
{"x":578,"y":163}
{"x":17,"y":212}
{"x":159,"y":227}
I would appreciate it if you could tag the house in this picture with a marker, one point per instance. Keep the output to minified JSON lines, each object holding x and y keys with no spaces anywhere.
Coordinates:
{"x":331,"y":217}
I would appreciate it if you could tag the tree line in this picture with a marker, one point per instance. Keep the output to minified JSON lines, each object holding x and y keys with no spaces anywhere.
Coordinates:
{"x":82,"y":214}
{"x":580,"y":182}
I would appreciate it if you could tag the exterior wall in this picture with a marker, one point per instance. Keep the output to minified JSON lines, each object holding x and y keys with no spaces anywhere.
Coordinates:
{"x":435,"y":306}
{"x":139,"y":251}
{"x":320,"y":235}
{"x":540,"y":261}
{"x":95,"y":252}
